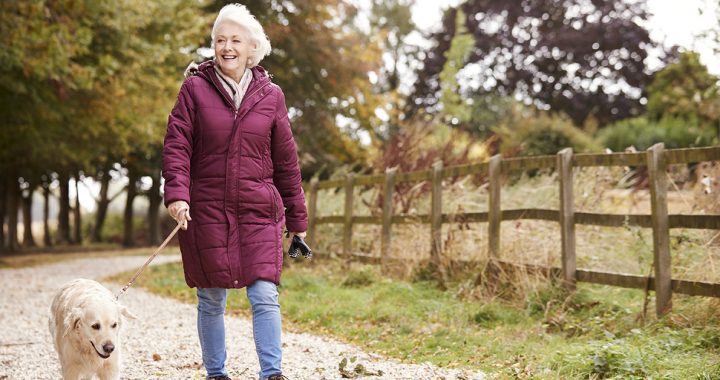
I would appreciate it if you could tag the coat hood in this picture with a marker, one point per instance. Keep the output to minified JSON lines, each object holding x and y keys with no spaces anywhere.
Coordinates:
{"x":204,"y":68}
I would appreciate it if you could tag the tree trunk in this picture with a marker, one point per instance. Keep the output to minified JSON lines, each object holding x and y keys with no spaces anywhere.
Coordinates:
{"x":3,"y":206}
{"x":77,"y":218}
{"x":102,"y":206}
{"x":12,"y":205}
{"x":28,"y":239}
{"x":63,"y":232}
{"x":128,"y":217}
{"x":155,"y":199}
{"x":47,"y":239}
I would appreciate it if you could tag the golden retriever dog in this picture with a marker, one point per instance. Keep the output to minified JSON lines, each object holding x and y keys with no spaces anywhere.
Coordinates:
{"x":85,"y":322}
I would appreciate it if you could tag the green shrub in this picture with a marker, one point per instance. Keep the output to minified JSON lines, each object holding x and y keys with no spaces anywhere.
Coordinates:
{"x":538,"y":302}
{"x":113,"y":227}
{"x":492,"y":314}
{"x":609,"y":360}
{"x":642,"y":134}
{"x":543,"y":134}
{"x":361,"y":277}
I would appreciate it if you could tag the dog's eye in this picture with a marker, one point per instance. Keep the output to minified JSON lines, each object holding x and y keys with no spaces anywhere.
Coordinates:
{"x":114,"y":325}
{"x":96,"y":326}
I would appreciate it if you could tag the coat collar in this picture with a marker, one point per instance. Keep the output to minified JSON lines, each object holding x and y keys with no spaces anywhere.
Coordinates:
{"x":206,"y":70}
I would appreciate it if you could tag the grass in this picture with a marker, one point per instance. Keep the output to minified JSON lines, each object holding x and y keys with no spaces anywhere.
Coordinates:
{"x":592,"y":333}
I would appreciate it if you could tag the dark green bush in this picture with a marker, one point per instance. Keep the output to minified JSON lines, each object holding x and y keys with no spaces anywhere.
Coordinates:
{"x":643,"y":133}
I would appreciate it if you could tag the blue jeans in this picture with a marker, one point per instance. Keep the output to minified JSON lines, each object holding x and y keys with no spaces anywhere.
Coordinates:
{"x":263,"y":297}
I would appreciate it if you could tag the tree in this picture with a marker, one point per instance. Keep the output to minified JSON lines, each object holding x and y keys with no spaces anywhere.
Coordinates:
{"x":13,"y":193}
{"x":155,"y":198}
{"x":102,"y":202}
{"x":455,"y":108}
{"x":26,"y":195}
{"x":391,"y":26}
{"x":391,"y":23}
{"x":128,"y":215}
{"x":63,"y":231}
{"x":579,"y":58}
{"x":685,"y":90}
{"x":3,"y":205}
{"x":46,"y":181}
{"x":85,"y":83}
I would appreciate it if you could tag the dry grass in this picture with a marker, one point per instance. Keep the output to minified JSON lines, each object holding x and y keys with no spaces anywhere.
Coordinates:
{"x":628,"y":249}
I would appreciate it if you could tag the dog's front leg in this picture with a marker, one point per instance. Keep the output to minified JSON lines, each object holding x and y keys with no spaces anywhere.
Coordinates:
{"x":110,"y":369}
{"x":72,"y":372}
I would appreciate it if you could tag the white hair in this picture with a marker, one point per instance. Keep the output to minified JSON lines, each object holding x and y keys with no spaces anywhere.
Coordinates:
{"x":240,"y":15}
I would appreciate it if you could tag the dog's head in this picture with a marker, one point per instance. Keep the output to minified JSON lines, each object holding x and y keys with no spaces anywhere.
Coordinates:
{"x":97,"y":324}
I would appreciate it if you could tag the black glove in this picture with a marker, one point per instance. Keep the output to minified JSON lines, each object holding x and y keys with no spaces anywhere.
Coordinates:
{"x":298,"y":244}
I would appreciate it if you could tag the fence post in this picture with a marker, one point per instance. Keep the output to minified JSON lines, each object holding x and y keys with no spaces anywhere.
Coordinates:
{"x":661,"y":234}
{"x":494,"y":211}
{"x":436,"y":214}
{"x":567,"y":217}
{"x":347,"y":230}
{"x":312,"y":211}
{"x":387,"y":216}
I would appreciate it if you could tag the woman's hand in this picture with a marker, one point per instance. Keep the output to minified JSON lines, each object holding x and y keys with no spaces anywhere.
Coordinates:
{"x":180,"y":211}
{"x":301,"y":234}
{"x":298,"y":246}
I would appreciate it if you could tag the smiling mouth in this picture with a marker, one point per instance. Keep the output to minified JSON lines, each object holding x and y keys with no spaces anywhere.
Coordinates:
{"x":98,"y":352}
{"x":229,"y":57}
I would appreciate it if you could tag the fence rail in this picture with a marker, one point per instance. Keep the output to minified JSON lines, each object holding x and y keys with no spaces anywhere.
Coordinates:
{"x":656,"y":158}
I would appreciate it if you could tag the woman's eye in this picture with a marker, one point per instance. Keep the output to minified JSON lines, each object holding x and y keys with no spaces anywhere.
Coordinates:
{"x":96,"y":326}
{"x":236,"y":41}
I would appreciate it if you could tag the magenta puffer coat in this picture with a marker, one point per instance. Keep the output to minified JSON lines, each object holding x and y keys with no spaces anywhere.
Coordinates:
{"x":238,"y":169}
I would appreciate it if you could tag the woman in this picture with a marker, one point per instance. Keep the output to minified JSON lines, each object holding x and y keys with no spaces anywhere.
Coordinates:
{"x":230,"y":161}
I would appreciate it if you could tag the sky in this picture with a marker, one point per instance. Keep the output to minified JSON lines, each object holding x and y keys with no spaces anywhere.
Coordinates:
{"x":677,"y":22}
{"x":672,"y":22}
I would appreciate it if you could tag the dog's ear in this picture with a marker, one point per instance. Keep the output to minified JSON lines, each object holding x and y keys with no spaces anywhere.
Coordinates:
{"x":72,"y":320}
{"x":126,"y":313}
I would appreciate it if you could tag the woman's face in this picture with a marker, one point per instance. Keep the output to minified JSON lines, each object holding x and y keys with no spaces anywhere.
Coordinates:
{"x":232,"y":48}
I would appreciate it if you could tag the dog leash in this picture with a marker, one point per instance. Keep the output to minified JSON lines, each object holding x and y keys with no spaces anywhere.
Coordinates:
{"x":150,"y":259}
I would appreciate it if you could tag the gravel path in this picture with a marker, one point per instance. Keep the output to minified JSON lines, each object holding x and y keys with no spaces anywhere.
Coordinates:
{"x":162,"y":343}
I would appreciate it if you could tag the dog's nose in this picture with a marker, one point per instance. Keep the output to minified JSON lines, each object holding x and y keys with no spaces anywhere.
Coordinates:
{"x":108,"y":347}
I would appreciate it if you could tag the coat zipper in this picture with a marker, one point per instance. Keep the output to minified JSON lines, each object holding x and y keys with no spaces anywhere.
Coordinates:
{"x":248,"y":97}
{"x":253,"y":93}
{"x":235,"y":109}
{"x":235,"y":114}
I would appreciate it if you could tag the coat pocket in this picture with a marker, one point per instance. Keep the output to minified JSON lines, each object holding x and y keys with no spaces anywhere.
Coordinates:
{"x":273,"y":201}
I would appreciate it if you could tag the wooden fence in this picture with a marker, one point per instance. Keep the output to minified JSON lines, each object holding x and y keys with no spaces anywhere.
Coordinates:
{"x":656,"y":158}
